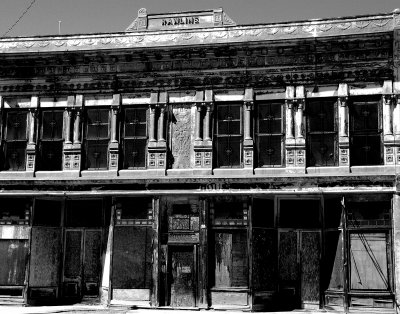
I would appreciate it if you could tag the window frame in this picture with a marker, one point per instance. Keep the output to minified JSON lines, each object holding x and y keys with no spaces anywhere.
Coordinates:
{"x":259,"y":135}
{"x":41,"y":140}
{"x":219,"y":137}
{"x":366,"y":133}
{"x":95,"y":141}
{"x":322,"y":133}
{"x":6,"y":142}
{"x":124,"y":138}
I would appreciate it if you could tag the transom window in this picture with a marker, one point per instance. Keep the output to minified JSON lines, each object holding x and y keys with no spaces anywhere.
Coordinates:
{"x":15,"y":140}
{"x":229,"y":135}
{"x":134,"y":138}
{"x":365,"y":132}
{"x":97,"y":138}
{"x":51,"y":140}
{"x":269,"y":134}
{"x":321,"y":132}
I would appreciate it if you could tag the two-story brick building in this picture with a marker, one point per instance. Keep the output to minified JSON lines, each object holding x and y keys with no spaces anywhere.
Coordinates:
{"x":192,"y":162}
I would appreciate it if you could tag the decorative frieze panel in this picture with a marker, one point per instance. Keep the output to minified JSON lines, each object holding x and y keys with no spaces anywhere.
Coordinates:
{"x":157,"y":158}
{"x":181,"y":136}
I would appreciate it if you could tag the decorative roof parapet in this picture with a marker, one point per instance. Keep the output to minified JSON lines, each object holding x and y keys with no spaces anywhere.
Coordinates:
{"x":204,"y":36}
{"x":179,"y":20}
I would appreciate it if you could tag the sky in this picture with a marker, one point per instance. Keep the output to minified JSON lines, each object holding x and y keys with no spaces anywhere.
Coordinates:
{"x":104,"y":16}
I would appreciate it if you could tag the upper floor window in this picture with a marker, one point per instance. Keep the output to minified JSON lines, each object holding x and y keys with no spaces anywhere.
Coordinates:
{"x":51,"y":140}
{"x":269,"y":134}
{"x":15,"y":140}
{"x":97,"y":137}
{"x":321,"y":132}
{"x":229,"y":135}
{"x":365,"y":132}
{"x":134,"y":138}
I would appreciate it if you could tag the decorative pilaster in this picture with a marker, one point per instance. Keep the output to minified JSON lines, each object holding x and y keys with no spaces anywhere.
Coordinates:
{"x":157,"y":148}
{"x":289,"y":139}
{"x":343,"y":111}
{"x":113,"y":147}
{"x":72,"y":150}
{"x":387,"y":110}
{"x":248,"y":145}
{"x":31,"y":146}
{"x":203,"y":146}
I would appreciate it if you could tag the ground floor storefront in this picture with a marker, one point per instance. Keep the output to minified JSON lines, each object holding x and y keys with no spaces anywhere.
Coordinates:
{"x":252,"y":250}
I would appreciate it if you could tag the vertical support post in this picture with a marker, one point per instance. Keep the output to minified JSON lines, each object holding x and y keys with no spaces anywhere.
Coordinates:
{"x":77,"y":126}
{"x":31,"y":146}
{"x":248,"y":145}
{"x":300,"y":141}
{"x":343,"y":110}
{"x":155,"y":291}
{"x":289,"y":111}
{"x":197,"y":122}
{"x":68,"y":115}
{"x":396,"y":241}
{"x":106,"y":284}
{"x":396,"y":123}
{"x":345,"y":258}
{"x":388,"y":137}
{"x":203,"y":256}
{"x":299,"y":129}
{"x":152,"y":137}
{"x":161,"y":119}
{"x":250,"y":248}
{"x":113,"y":147}
{"x":207,"y":119}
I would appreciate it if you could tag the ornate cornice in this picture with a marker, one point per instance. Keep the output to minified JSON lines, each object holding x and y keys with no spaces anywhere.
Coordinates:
{"x":231,"y":34}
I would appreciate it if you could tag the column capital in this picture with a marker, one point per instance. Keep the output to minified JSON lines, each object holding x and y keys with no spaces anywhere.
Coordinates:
{"x":343,"y":101}
{"x":289,"y":103}
{"x":249,"y":104}
{"x":300,"y":103}
{"x":388,"y":98}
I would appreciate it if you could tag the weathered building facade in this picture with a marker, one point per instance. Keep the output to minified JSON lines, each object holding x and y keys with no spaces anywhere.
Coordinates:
{"x":191,"y":162}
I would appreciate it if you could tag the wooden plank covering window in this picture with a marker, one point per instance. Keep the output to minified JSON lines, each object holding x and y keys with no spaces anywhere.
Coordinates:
{"x":231,"y":264}
{"x":132,"y":263}
{"x":369,"y":262}
{"x":45,"y":257}
{"x":13,"y":258}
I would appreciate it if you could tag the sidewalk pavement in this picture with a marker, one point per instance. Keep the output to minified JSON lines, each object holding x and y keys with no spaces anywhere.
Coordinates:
{"x":80,"y":309}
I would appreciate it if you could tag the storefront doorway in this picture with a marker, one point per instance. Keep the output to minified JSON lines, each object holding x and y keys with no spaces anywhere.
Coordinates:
{"x":182,"y":267}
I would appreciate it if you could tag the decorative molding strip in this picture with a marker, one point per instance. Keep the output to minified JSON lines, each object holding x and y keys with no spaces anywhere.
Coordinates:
{"x":231,"y":34}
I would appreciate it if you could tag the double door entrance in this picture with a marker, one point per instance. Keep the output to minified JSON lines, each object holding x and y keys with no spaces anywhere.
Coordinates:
{"x":299,"y":268}
{"x":82,"y":263}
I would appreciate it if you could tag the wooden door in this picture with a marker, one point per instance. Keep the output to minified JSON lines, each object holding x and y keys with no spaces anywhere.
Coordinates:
{"x":182,"y":276}
{"x":299,"y":268}
{"x":82,"y":263}
{"x":310,"y":254}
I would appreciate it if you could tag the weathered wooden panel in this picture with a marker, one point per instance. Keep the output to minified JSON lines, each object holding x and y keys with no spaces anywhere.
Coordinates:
{"x":183,"y":277}
{"x":92,"y":255}
{"x":132,"y":251}
{"x":181,"y":136}
{"x":368,"y":260}
{"x":231,"y":260}
{"x":45,"y":259}
{"x":14,"y":232}
{"x":73,"y":249}
{"x":229,"y":298}
{"x":310,"y":266}
{"x":333,"y":266}
{"x":264,"y":259}
{"x":288,"y":269}
{"x":13,"y":259}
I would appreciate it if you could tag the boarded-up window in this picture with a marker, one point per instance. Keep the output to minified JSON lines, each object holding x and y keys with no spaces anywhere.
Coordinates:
{"x":45,"y":257}
{"x":369,"y":261}
{"x":132,"y":264}
{"x":231,"y":264}
{"x":13,"y":258}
